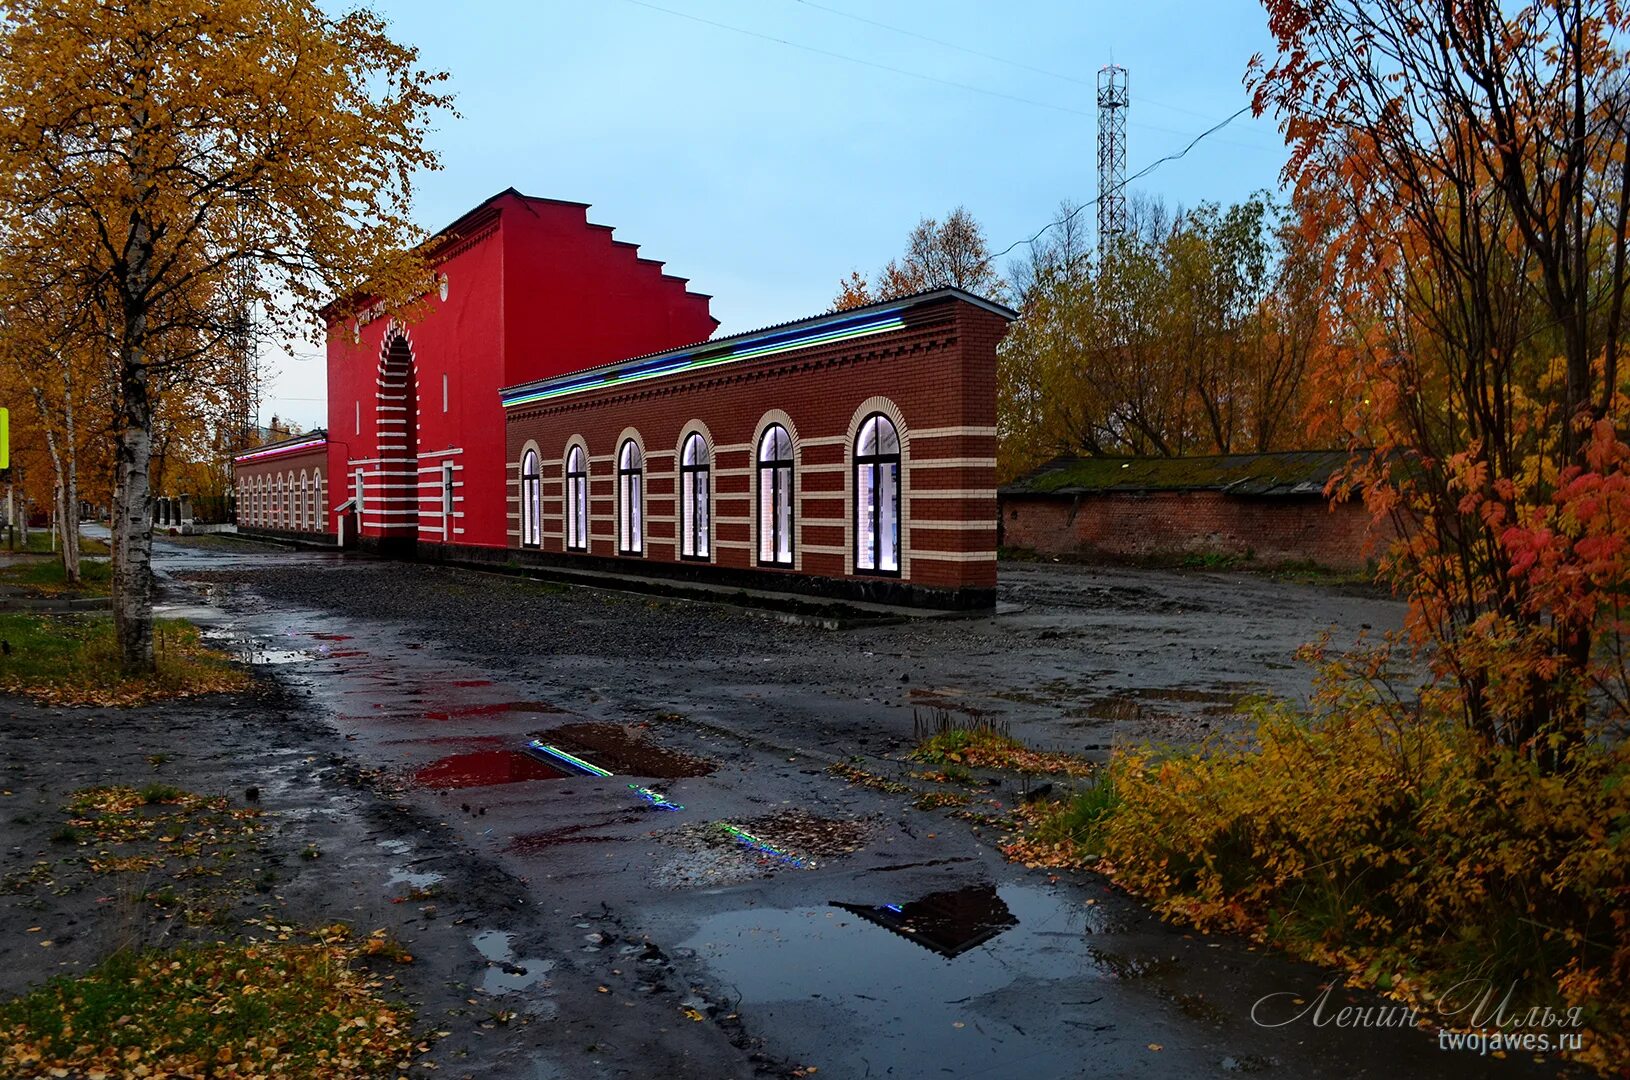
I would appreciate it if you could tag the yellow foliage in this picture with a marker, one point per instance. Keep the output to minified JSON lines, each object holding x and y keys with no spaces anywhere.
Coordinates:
{"x":1383,"y":840}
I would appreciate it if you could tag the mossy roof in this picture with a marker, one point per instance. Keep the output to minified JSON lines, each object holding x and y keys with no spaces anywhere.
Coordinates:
{"x":1295,"y":472}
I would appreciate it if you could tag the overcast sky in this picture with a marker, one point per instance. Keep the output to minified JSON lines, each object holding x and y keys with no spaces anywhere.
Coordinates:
{"x":765,"y":171}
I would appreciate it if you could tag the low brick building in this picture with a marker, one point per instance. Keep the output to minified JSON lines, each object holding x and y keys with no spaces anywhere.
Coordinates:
{"x":851,"y":454}
{"x":1270,"y":508}
{"x":281,"y":487}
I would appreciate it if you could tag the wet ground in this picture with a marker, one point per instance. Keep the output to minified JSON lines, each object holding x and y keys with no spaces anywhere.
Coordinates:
{"x":611,"y":817}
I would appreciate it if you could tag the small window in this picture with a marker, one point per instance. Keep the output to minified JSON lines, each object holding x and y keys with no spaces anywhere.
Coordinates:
{"x":694,"y":495}
{"x":319,"y":506}
{"x":630,"y":516}
{"x":775,"y":497}
{"x":877,"y":497}
{"x":359,"y":416}
{"x":305,"y":502}
{"x":444,"y":391}
{"x":577,"y":500}
{"x":531,"y":497}
{"x":358,"y":491}
{"x":447,"y":500}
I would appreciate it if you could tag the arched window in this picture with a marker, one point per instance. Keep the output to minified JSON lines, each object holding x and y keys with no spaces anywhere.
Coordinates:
{"x":531,"y":500}
{"x":877,"y":496}
{"x":577,"y":500}
{"x":693,"y":498}
{"x":319,"y":506}
{"x":775,"y":497}
{"x":305,"y":501}
{"x":277,"y":504}
{"x":630,"y":517}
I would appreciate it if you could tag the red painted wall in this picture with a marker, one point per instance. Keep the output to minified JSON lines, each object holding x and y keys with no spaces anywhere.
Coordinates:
{"x":533,"y":290}
{"x":1271,"y":530}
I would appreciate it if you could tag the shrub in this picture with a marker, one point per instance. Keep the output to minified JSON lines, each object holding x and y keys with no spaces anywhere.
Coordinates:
{"x":1392,"y":841}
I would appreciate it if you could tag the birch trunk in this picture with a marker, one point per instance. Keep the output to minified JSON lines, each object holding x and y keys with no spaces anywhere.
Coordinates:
{"x":59,"y":489}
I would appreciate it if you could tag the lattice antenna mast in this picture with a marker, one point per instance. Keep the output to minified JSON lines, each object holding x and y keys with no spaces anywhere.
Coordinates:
{"x":1113,"y":98}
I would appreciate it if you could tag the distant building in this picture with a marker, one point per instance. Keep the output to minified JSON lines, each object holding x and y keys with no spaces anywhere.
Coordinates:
{"x":1271,"y":508}
{"x":849,"y":454}
{"x":282,"y":487}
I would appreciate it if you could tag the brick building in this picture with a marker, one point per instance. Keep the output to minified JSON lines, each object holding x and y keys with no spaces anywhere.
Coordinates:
{"x":1270,"y":508}
{"x":869,"y":435}
{"x":282,"y":487}
{"x":851,"y":454}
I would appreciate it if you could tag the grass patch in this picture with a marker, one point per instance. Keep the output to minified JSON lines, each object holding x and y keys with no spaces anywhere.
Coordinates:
{"x":73,"y":660}
{"x":40,"y":543}
{"x":46,"y":576}
{"x":987,"y":748}
{"x":293,"y":1008}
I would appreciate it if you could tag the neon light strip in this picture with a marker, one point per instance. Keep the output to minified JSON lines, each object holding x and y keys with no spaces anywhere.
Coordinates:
{"x":556,"y":752}
{"x":757,"y":844}
{"x":696,"y":361}
{"x":276,"y":450}
{"x":655,"y":798}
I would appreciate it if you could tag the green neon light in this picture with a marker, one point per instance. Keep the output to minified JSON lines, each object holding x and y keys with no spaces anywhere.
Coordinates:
{"x":711,"y":361}
{"x":564,"y":756}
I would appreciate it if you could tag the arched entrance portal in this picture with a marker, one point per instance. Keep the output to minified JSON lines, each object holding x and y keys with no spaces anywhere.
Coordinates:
{"x":394,"y":515}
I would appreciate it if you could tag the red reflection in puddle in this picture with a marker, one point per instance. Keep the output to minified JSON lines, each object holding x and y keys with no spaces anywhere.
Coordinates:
{"x":483,"y":768}
{"x":493,"y":710}
{"x":331,"y":637}
{"x":472,"y":682}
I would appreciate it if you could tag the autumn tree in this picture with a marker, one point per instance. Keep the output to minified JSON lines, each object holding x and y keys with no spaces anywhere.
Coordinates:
{"x":937,"y":255}
{"x":1190,"y":333}
{"x":200,"y":142}
{"x":1465,"y":168}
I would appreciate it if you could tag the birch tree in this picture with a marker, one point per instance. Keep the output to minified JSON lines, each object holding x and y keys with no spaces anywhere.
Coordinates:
{"x":197,"y":141}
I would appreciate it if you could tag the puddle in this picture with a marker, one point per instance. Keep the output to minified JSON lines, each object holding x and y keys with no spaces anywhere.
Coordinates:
{"x":329,"y":637}
{"x":494,"y":709}
{"x":960,"y":971}
{"x":485,"y":768}
{"x":623,"y":752}
{"x":401,"y":875}
{"x":505,"y":974}
{"x":949,"y":923}
{"x":254,"y":650}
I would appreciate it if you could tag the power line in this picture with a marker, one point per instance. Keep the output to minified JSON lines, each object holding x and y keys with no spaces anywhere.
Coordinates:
{"x":1145,"y":171}
{"x":1021,"y":65}
{"x":946,"y":44}
{"x":856,"y":60}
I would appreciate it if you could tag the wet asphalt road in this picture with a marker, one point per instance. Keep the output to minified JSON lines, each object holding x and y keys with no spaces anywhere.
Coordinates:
{"x":920,"y":953}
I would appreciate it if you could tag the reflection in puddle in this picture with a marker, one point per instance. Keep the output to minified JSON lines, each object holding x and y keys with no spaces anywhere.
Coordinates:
{"x":505,"y":974}
{"x":959,"y":971}
{"x":483,"y":768}
{"x":621,"y":752}
{"x":495,"y":709}
{"x":401,"y":875}
{"x":949,"y":923}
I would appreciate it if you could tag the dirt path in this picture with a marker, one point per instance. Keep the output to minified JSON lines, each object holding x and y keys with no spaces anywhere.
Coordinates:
{"x":872,"y":938}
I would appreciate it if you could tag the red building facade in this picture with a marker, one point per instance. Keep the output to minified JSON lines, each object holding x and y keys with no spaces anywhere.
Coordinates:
{"x":850,"y":455}
{"x":526,"y":288}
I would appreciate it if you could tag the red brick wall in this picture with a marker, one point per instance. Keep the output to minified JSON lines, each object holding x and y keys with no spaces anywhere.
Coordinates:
{"x":1192,"y":522}
{"x":269,"y":492}
{"x":939,"y":373}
